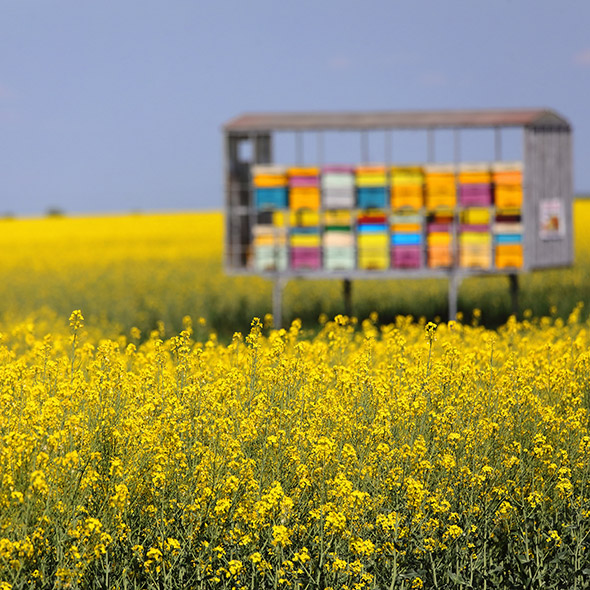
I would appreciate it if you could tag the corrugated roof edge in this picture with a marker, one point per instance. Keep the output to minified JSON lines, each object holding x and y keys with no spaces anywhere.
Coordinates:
{"x":264,"y":122}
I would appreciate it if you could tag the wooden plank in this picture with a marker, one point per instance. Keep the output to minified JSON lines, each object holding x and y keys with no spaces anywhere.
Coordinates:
{"x":265,"y":122}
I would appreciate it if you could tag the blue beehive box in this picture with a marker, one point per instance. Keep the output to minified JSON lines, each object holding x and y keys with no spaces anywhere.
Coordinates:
{"x":406,"y":239}
{"x":509,"y":238}
{"x":270,"y":198}
{"x":372,"y":228}
{"x":372,"y":197}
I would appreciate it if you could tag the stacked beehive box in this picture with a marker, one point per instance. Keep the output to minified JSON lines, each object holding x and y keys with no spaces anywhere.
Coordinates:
{"x":407,"y":187}
{"x":270,"y":187}
{"x":371,"y":182}
{"x":440,"y":186}
{"x":338,"y":187}
{"x":305,"y":247}
{"x":411,"y":215}
{"x":373,"y":241}
{"x":475,"y":198}
{"x":304,"y":188}
{"x":475,"y":238}
{"x":338,"y":240}
{"x":407,"y":240}
{"x":269,"y":242}
{"x":475,"y":185}
{"x":439,"y":239}
{"x":508,"y":229}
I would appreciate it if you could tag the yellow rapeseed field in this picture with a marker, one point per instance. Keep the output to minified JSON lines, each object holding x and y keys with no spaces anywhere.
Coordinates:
{"x":398,"y":455}
{"x":138,"y":270}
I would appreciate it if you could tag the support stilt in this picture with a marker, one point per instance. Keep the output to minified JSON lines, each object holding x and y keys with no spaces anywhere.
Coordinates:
{"x":514,"y":289}
{"x":454,"y":282}
{"x":347,"y":296}
{"x":277,"y":302}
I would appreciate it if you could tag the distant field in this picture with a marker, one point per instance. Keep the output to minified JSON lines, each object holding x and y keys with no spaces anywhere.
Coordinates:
{"x":138,"y":270}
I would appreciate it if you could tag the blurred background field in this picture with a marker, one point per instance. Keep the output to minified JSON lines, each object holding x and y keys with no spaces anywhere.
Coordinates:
{"x":137,"y":270}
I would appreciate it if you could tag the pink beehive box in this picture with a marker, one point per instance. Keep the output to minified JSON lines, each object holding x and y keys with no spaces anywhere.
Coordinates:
{"x":474,"y":227}
{"x":475,"y":195}
{"x":308,"y":258}
{"x":304,"y":181}
{"x":406,"y":257}
{"x":439,"y":228}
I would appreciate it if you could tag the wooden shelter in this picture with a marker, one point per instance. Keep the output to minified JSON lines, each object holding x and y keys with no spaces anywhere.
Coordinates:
{"x":543,"y":213}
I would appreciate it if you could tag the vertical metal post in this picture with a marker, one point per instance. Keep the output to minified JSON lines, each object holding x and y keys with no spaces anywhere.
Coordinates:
{"x":388,"y":154}
{"x":298,"y":148}
{"x":431,"y":147}
{"x":513,"y":278}
{"x":364,"y":146}
{"x":277,"y":302}
{"x":347,"y":296}
{"x":454,"y":281}
{"x":498,"y":144}
{"x":457,"y":146}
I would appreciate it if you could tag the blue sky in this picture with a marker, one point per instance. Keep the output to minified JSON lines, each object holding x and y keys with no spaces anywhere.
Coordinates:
{"x":110,"y":106}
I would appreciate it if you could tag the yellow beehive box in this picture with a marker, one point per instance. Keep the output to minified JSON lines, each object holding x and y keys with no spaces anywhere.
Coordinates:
{"x":304,"y":217}
{"x":406,"y":175}
{"x":475,"y":238}
{"x":407,"y":179}
{"x":509,"y":256}
{"x":407,"y":169}
{"x":508,"y":196}
{"x":371,"y":175}
{"x":373,"y":241}
{"x":338,"y":217}
{"x":373,"y":261}
{"x":279,"y":218}
{"x":305,"y":240}
{"x":476,"y":216}
{"x":304,"y":198}
{"x":371,"y":180}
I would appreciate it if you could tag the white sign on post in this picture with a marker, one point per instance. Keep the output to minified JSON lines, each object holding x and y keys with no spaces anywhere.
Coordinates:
{"x":551,"y":219}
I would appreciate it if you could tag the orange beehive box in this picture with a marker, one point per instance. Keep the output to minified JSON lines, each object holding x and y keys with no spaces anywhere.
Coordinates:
{"x":475,"y":177}
{"x":507,"y":177}
{"x":410,"y":228}
{"x":439,"y":239}
{"x":407,"y":195}
{"x":270,"y":180}
{"x":303,"y":171}
{"x":439,"y":256}
{"x":468,"y":259}
{"x":441,"y":196}
{"x":508,"y":196}
{"x":304,"y":198}
{"x":509,"y":256}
